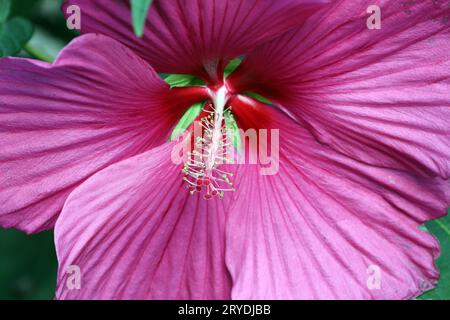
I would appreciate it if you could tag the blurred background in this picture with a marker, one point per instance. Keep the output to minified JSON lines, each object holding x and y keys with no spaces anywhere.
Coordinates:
{"x":28,"y":265}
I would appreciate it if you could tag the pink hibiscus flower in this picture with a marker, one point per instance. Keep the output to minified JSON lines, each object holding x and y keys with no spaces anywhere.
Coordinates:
{"x":364,"y":155}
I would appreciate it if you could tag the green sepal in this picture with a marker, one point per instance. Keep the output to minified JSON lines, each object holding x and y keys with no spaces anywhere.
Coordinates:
{"x":233,"y":129}
{"x":232,"y":66}
{"x":189,"y":116}
{"x":257,"y":97}
{"x":182,"y":80}
{"x":139,"y":11}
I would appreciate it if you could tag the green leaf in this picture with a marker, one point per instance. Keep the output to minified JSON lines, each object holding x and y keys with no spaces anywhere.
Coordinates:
{"x":183,"y":80}
{"x":233,"y":128}
{"x":441,"y":229}
{"x":139,"y":10}
{"x":14,"y":34}
{"x":189,"y":116}
{"x":5,"y":9}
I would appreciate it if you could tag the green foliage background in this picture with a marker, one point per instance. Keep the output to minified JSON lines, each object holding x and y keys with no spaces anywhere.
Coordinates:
{"x":28,"y":264}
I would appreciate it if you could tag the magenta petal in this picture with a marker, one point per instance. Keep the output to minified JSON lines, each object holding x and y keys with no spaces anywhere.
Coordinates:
{"x":195,"y":36}
{"x":380,"y":96}
{"x":326,"y":226}
{"x":96,"y":105}
{"x":135,"y":232}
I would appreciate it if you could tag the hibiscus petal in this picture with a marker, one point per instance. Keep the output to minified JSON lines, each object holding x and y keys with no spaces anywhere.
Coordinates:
{"x":380,"y":96}
{"x":194,"y":36}
{"x":96,"y":105}
{"x":135,"y":232}
{"x":329,"y":227}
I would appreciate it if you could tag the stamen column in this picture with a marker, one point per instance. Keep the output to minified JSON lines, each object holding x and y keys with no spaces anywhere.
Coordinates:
{"x":211,"y":151}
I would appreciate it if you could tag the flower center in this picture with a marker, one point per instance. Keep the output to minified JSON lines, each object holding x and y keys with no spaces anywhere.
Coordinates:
{"x":212,"y":149}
